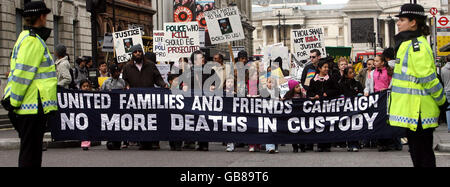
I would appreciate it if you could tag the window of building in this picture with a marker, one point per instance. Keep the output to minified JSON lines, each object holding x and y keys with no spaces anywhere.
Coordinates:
{"x":56,"y":30}
{"x":325,"y":31}
{"x":341,"y":31}
{"x":19,"y":23}
{"x":75,"y":39}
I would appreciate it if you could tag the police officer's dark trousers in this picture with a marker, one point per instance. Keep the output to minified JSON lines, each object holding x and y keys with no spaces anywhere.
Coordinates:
{"x":31,"y":129}
{"x":421,"y":147}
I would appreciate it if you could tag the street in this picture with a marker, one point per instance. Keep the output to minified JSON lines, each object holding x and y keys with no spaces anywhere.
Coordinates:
{"x":217,"y":157}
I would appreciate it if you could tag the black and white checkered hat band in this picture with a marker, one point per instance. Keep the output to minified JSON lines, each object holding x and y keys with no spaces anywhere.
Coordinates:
{"x":34,"y":10}
{"x":414,"y":12}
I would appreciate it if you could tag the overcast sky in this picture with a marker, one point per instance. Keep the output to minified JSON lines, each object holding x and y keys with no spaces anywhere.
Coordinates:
{"x":333,"y":1}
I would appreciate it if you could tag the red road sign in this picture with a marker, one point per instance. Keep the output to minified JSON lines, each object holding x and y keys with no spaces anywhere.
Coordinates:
{"x":434,"y":11}
{"x":443,"y":21}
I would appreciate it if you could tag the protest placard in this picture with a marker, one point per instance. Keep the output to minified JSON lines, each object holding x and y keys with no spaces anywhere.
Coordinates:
{"x":271,"y":53}
{"x":159,"y":47}
{"x":164,"y":69}
{"x":108,"y":45}
{"x":224,"y":25}
{"x":123,"y":41}
{"x":305,"y":40}
{"x":181,"y":39}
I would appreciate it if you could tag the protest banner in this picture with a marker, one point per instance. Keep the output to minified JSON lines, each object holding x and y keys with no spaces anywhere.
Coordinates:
{"x":124,"y":40}
{"x":181,"y":40}
{"x":224,"y":25}
{"x":159,"y":47}
{"x":305,"y":40}
{"x":157,"y":115}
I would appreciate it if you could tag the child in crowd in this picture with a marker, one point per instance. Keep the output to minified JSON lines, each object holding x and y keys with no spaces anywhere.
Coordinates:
{"x":381,"y":80}
{"x":365,"y":73}
{"x":230,"y":91}
{"x":323,"y":87}
{"x":270,"y":91}
{"x":295,"y":92}
{"x":114,"y":83}
{"x":85,"y":85}
{"x":253,"y":92}
{"x":351,"y":88}
{"x":342,"y":64}
{"x":173,"y":81}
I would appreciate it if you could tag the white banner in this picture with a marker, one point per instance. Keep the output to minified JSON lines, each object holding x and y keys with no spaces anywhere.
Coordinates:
{"x":224,"y":25}
{"x":305,"y":40}
{"x":181,"y":40}
{"x":124,"y":40}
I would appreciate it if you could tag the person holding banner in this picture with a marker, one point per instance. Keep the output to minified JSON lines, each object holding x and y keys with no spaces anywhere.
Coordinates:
{"x":351,"y":88}
{"x":417,"y":96}
{"x":198,"y":79}
{"x":295,"y":92}
{"x":323,"y":87}
{"x":140,"y":72}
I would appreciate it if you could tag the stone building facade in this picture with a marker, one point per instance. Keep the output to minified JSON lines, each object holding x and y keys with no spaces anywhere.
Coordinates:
{"x":128,"y":14}
{"x":344,"y":24}
{"x":69,"y":20}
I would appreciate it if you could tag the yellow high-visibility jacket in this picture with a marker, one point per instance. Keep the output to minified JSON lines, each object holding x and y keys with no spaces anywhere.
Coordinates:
{"x":32,"y":75}
{"x":416,"y":90}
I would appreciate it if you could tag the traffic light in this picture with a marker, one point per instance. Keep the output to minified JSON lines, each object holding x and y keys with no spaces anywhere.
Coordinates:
{"x":97,"y":6}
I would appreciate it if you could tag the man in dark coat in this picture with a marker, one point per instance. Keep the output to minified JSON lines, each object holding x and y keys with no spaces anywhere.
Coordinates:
{"x":140,"y":72}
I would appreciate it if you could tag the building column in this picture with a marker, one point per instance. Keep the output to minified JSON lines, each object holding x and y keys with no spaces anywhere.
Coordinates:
{"x":275,"y":34}
{"x":387,"y":38}
{"x":264,"y":32}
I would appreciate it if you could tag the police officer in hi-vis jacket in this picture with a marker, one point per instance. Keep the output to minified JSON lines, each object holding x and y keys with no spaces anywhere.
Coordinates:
{"x":417,"y":95}
{"x":30,"y":94}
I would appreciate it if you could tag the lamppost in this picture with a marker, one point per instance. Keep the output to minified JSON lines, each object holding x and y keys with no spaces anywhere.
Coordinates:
{"x":279,"y":26}
{"x":284,"y":28}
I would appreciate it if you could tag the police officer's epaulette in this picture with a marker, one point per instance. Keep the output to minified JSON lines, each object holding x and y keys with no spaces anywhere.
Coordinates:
{"x":32,"y":33}
{"x":416,"y":45}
